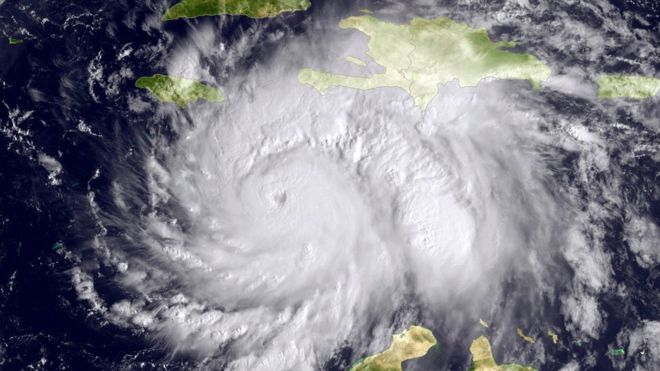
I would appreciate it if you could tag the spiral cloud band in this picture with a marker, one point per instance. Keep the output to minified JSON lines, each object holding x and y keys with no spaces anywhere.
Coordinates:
{"x":284,"y":224}
{"x":296,"y":228}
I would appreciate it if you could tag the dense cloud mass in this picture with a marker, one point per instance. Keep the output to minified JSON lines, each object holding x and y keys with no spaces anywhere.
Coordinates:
{"x":301,"y":220}
{"x":278,"y":229}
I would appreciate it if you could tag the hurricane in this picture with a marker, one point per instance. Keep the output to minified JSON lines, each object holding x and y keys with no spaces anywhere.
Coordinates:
{"x":275,"y":232}
{"x":283,"y":226}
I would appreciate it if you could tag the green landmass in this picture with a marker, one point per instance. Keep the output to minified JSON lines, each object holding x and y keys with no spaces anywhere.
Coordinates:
{"x":483,"y":360}
{"x":249,"y":8}
{"x":178,"y":90}
{"x":14,"y":41}
{"x":410,"y":344}
{"x":522,"y":335}
{"x":618,"y":352}
{"x":627,"y":86}
{"x":423,"y":54}
{"x":354,"y":60}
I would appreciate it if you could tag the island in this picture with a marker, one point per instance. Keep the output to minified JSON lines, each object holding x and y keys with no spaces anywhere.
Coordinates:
{"x":426,"y":53}
{"x":355,"y":60}
{"x":522,"y":335}
{"x":618,"y":352}
{"x":627,"y":86}
{"x":14,"y":41}
{"x":250,"y":8}
{"x":483,"y":360}
{"x":410,"y":344}
{"x":178,"y":90}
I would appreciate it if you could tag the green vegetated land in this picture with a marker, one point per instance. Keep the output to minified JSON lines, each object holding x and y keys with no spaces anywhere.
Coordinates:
{"x":627,"y":86}
{"x":178,"y":90}
{"x":14,"y":41}
{"x":423,"y":54}
{"x":410,"y":344}
{"x":416,"y":342}
{"x":249,"y":8}
{"x":357,"y":61}
{"x":483,"y":360}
